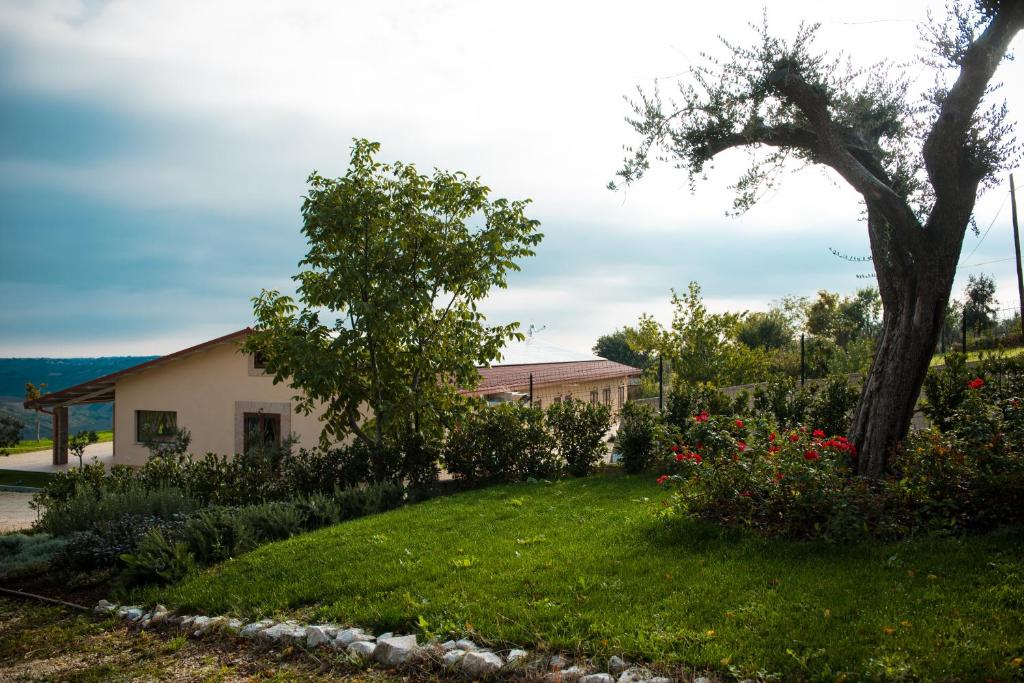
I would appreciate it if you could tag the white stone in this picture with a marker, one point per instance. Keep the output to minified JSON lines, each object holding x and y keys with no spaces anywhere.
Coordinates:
{"x":316,"y":637}
{"x":479,"y":664}
{"x":702,"y":679}
{"x":395,"y":650}
{"x":389,"y":634}
{"x":130,"y":613}
{"x":353,"y":635}
{"x":159,"y":615}
{"x":362,"y":649}
{"x":514,"y":655}
{"x":558,"y":662}
{"x":199,"y":625}
{"x":597,"y":678}
{"x":660,"y":679}
{"x":616,"y":665}
{"x":233,"y":625}
{"x":287,"y":631}
{"x":467,"y":645}
{"x":448,"y":646}
{"x":250,"y":630}
{"x":573,"y":673}
{"x":103,"y":607}
{"x":453,"y":657}
{"x":634,"y":675}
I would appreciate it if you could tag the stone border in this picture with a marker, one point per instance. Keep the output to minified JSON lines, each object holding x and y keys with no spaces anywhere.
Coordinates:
{"x":392,"y":651}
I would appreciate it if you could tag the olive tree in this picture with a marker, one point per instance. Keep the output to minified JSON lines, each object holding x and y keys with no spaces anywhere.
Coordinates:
{"x":918,"y":166}
{"x":387,"y":328}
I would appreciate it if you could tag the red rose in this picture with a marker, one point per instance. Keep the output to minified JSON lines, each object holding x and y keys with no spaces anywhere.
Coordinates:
{"x":662,"y":479}
{"x":699,"y":446}
{"x":742,"y":445}
{"x":702,"y":417}
{"x":675,"y":448}
{"x":697,"y":459}
{"x":976,"y":383}
{"x":818,"y":434}
{"x":794,"y":437}
{"x":811,"y":455}
{"x":774,"y":449}
{"x":680,"y":457}
{"x":771,"y":437}
{"x":746,"y":494}
{"x":778,"y":477}
{"x":739,"y":423}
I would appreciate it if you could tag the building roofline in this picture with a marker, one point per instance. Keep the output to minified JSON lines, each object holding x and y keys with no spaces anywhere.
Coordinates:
{"x":101,"y":389}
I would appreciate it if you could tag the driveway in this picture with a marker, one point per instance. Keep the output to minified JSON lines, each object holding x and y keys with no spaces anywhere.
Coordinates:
{"x":42,"y":461}
{"x":15,"y":513}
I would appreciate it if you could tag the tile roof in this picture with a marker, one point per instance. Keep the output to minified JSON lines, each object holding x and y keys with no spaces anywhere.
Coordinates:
{"x":517,"y":377}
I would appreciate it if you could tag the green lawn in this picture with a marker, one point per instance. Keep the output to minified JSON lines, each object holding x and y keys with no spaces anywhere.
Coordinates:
{"x":18,"y":478}
{"x":972,"y":356}
{"x":29,"y":445}
{"x":586,"y":565}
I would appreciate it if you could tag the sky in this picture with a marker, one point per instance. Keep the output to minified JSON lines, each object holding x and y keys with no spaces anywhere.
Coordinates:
{"x":153,"y":157}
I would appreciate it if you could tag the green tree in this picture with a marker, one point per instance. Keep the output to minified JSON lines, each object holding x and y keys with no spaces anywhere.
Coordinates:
{"x":78,"y":442}
{"x":32,"y":392}
{"x":400,"y":260}
{"x":917,"y":166}
{"x":765,"y":330}
{"x":701,"y":346}
{"x":980,"y":303}
{"x":10,"y":432}
{"x":615,"y":346}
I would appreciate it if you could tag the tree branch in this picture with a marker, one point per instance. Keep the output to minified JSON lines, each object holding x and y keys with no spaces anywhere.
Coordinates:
{"x":833,"y":150}
{"x":944,"y":148}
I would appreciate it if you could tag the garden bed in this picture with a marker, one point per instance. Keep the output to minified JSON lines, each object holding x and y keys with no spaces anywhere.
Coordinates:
{"x":587,"y":565}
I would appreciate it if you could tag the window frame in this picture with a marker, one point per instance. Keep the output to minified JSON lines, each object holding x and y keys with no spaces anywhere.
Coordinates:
{"x":165,"y":438}
{"x":262,"y":417}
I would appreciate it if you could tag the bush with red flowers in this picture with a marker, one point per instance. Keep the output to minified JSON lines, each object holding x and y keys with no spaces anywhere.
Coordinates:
{"x":798,"y":483}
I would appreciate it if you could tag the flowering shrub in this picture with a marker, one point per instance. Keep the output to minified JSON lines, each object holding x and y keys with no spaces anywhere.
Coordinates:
{"x":801,"y":482}
{"x":797,"y":483}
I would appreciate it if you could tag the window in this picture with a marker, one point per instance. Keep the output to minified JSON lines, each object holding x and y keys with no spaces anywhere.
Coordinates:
{"x":259,"y":361}
{"x":261,"y":430}
{"x":557,"y":399}
{"x":155,"y":425}
{"x":593,"y":396}
{"x":607,"y":396}
{"x":622,"y":395}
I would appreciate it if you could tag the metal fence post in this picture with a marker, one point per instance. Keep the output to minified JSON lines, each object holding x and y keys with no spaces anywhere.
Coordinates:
{"x":661,"y":384}
{"x":803,"y":362}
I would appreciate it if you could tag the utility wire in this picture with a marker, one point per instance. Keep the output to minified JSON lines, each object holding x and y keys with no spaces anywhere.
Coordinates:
{"x":994,"y":218}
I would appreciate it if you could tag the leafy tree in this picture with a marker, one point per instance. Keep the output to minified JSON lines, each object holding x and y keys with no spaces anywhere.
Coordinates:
{"x":401,"y":259}
{"x":32,"y":392}
{"x":10,"y":432}
{"x":78,"y":442}
{"x":615,"y":346}
{"x":980,"y":303}
{"x":918,"y":167}
{"x":700,"y":345}
{"x":768,"y":331}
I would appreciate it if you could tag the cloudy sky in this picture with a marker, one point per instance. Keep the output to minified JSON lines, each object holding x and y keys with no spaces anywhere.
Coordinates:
{"x":153,"y":156}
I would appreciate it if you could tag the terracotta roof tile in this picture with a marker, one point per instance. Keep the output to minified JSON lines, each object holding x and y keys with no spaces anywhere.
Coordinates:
{"x":517,"y":377}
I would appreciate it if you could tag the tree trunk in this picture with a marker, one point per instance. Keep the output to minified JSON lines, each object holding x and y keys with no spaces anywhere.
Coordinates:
{"x":911,"y":325}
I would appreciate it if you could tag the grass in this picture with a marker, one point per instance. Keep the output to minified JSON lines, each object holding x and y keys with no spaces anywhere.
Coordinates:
{"x":588,"y":566}
{"x":30,"y":445}
{"x":20,"y":478}
{"x":973,"y":356}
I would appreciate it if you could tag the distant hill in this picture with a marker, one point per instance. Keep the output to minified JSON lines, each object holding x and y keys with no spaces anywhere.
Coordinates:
{"x":57,"y":374}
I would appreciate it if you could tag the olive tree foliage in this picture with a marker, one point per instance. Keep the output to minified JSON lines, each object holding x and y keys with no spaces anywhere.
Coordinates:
{"x":387,"y":328}
{"x":917,"y":161}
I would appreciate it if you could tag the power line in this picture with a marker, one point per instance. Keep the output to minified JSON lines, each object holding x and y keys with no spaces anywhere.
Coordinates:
{"x":983,"y":263}
{"x":994,"y":218}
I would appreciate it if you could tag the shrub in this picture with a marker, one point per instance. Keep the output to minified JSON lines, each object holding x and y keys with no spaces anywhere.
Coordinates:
{"x":641,"y":437}
{"x":579,"y":429}
{"x":10,"y":431}
{"x":831,"y":408}
{"x":84,"y":509}
{"x":218,"y":533}
{"x":783,"y":401}
{"x":687,"y":399}
{"x":507,"y":442}
{"x":102,"y":545}
{"x":25,"y":553}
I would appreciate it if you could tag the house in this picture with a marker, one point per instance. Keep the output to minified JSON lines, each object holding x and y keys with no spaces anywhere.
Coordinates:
{"x":229,"y":403}
{"x":544,"y":374}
